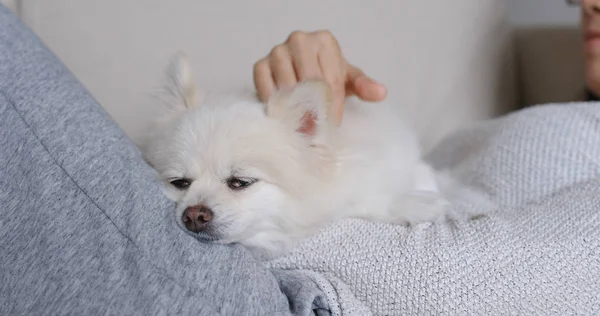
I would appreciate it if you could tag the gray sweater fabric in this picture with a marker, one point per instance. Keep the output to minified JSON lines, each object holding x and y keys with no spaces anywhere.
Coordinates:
{"x":536,"y":253}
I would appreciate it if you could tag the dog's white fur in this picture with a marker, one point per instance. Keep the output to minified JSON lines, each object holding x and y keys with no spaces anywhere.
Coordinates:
{"x":310,"y":172}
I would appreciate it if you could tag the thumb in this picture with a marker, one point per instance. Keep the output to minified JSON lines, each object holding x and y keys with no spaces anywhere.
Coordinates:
{"x":365,"y":88}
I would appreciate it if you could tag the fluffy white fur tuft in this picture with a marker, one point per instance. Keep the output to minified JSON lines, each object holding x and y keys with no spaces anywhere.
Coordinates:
{"x":180,"y":85}
{"x":302,"y":171}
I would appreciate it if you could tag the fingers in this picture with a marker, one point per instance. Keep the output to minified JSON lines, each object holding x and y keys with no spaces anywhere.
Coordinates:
{"x":369,"y":90}
{"x":282,"y":66}
{"x":316,"y":55}
{"x":303,"y":56}
{"x":263,"y":79}
{"x":331,"y":63}
{"x":303,"y":52}
{"x":352,"y":74}
{"x":362,"y":86}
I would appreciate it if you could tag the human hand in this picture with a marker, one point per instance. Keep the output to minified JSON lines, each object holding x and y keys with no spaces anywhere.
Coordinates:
{"x":314,"y":55}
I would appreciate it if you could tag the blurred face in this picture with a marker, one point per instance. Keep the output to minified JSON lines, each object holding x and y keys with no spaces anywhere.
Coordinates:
{"x":590,"y":28}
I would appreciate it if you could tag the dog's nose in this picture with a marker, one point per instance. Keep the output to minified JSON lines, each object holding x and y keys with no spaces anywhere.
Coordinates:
{"x":195,"y":217}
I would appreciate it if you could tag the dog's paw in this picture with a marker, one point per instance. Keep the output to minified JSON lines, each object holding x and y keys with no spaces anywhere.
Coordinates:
{"x":424,"y":206}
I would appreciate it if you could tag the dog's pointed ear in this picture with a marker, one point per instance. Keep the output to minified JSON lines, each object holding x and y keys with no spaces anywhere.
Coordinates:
{"x":305,"y":108}
{"x":180,"y":82}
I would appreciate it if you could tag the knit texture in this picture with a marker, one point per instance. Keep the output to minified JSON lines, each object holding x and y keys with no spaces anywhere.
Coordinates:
{"x":536,"y":253}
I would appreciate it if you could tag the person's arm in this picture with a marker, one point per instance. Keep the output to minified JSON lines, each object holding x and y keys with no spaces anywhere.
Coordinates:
{"x":314,"y":55}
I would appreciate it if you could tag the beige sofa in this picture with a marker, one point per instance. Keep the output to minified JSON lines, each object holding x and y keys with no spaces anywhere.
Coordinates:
{"x":445,"y":65}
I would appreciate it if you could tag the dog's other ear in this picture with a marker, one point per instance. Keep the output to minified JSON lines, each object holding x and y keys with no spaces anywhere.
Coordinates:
{"x":304,"y":107}
{"x":180,"y":82}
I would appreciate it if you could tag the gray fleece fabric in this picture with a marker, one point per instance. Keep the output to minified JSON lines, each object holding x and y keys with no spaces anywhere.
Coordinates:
{"x":84,"y":227}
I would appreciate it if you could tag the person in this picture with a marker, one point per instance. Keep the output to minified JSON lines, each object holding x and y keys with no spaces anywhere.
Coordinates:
{"x":590,"y":32}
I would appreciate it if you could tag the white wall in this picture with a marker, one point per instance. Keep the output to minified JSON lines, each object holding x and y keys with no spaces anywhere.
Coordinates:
{"x":542,"y":13}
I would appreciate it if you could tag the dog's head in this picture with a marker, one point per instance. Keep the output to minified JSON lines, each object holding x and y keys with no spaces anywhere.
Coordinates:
{"x":240,"y":170}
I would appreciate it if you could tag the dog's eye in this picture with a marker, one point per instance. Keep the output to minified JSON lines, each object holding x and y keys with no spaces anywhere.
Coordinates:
{"x":181,"y":184}
{"x":240,"y":183}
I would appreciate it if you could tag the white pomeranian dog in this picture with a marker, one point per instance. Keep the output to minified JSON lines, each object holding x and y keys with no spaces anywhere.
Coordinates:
{"x":267,"y":174}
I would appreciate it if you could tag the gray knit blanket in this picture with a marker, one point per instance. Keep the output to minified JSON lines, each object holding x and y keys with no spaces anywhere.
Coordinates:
{"x":536,"y":253}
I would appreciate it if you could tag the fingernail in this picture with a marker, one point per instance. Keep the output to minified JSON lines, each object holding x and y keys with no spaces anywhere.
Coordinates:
{"x":374,"y":93}
{"x":381,"y":89}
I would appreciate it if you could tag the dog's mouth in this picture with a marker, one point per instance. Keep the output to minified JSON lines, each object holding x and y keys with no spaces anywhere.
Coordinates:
{"x":211,"y":233}
{"x":208,"y":232}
